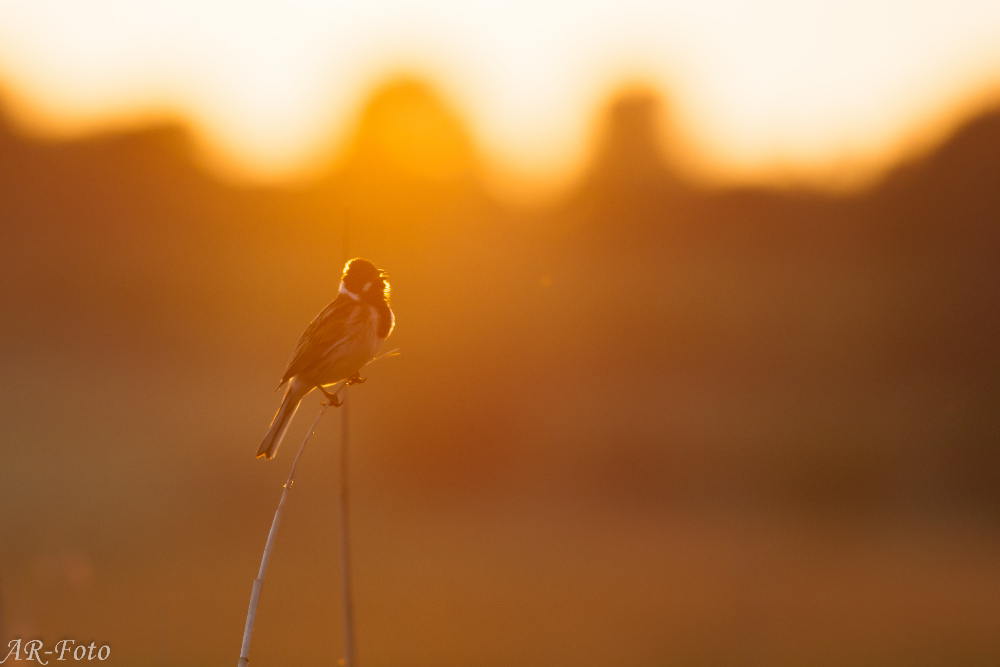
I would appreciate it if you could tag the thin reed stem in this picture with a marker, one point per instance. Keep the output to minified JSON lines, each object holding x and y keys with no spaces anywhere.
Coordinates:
{"x":345,"y":552}
{"x":258,"y":583}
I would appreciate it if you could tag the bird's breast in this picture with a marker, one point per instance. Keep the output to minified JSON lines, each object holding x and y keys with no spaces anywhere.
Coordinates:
{"x":358,"y":345}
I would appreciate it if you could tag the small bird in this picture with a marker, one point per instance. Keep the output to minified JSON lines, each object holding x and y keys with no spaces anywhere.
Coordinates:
{"x":345,"y":336}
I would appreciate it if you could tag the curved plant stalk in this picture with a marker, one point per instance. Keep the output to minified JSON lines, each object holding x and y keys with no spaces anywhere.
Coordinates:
{"x":258,"y":583}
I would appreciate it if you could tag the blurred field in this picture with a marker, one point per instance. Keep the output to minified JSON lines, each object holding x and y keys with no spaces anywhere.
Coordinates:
{"x":651,"y":423}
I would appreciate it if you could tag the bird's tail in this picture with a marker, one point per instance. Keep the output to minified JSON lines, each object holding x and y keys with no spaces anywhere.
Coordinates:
{"x":293,"y":396}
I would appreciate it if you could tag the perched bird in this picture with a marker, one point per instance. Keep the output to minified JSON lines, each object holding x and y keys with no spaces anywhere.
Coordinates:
{"x":345,"y":336}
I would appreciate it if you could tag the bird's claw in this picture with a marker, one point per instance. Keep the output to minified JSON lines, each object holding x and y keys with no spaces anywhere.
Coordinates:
{"x":332,"y":399}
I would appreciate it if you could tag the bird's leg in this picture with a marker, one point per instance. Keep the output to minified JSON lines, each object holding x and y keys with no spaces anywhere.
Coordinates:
{"x":356,"y":379}
{"x":331,"y":399}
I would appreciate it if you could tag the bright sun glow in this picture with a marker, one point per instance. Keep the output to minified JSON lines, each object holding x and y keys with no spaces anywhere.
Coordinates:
{"x":274,"y":86}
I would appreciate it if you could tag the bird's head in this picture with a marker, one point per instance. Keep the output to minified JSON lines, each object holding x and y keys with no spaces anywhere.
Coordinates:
{"x":362,"y":279}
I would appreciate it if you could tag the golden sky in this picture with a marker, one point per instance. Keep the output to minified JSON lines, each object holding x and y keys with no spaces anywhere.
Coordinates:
{"x":757,"y":88}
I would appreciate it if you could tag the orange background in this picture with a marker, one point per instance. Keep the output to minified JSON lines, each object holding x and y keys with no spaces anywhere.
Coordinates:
{"x":650,"y":422}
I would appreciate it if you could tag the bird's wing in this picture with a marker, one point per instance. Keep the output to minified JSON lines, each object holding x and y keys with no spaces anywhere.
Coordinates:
{"x":322,"y":334}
